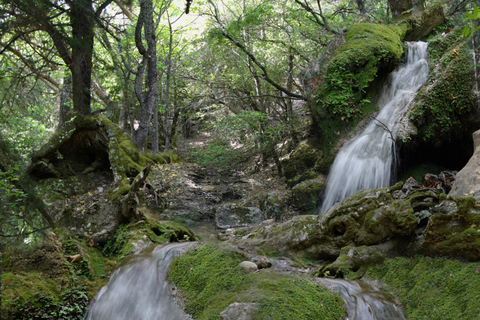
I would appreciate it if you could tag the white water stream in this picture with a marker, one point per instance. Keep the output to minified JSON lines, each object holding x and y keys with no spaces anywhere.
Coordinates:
{"x":367,"y":160}
{"x":138,"y":289}
{"x":363,"y":301}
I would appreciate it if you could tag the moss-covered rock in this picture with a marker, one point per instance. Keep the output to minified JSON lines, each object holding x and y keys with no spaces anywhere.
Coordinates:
{"x":54,"y":280}
{"x":272,"y":206}
{"x":236,"y":216}
{"x":454,"y":233}
{"x":369,"y":49}
{"x":210,"y":280}
{"x":353,"y":262}
{"x":135,"y":236}
{"x":367,"y":218}
{"x":303,"y":158}
{"x":305,"y":194}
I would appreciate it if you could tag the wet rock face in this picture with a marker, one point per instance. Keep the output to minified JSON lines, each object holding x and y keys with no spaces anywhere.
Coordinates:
{"x":368,"y":226}
{"x":234,"y":216}
{"x":467,"y":182}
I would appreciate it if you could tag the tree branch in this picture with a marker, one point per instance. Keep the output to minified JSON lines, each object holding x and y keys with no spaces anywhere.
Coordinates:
{"x":263,"y":69}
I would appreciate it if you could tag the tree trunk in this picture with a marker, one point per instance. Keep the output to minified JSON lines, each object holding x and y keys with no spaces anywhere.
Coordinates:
{"x":166,"y":127}
{"x":361,"y":6}
{"x":476,"y":61}
{"x":64,"y":108}
{"x":397,"y":7}
{"x":150,"y":57}
{"x":82,"y":20}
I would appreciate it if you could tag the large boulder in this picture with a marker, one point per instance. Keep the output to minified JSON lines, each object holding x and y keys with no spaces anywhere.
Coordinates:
{"x":272,"y":206}
{"x":305,"y":194}
{"x":467,"y":181}
{"x":235,"y":216}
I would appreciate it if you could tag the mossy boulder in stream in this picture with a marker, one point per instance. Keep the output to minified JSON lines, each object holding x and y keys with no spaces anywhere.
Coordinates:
{"x":210,"y":280}
{"x":135,"y":236}
{"x":366,"y":218}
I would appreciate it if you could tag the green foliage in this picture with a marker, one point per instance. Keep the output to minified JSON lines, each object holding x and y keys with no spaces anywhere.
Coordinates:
{"x":10,"y":196}
{"x":432,"y":288}
{"x":368,"y":49}
{"x":472,"y":19}
{"x":210,"y":279}
{"x":72,"y":306}
{"x":238,"y":136}
{"x":217,"y":154}
{"x":117,"y":241}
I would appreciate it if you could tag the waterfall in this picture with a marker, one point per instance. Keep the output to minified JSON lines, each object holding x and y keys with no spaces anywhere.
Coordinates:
{"x":367,"y":160}
{"x":138,"y":289}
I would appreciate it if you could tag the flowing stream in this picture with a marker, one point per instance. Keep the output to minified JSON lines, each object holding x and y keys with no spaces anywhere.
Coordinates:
{"x":367,"y":160}
{"x":363,"y":301}
{"x":138,"y":289}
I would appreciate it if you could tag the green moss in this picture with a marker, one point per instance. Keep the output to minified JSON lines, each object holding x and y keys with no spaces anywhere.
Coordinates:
{"x":301,"y":159}
{"x":432,"y":288}
{"x":288,"y":297}
{"x":123,"y":241}
{"x":23,"y":286}
{"x":30,"y":295}
{"x":210,"y":280}
{"x":368,"y":49}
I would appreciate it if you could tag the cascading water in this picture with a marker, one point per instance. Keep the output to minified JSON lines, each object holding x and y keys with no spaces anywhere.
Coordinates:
{"x":367,"y":160}
{"x":363,"y":301}
{"x":138,"y":289}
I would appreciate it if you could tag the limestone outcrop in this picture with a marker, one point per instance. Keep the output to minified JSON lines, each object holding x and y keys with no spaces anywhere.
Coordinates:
{"x":467,"y":181}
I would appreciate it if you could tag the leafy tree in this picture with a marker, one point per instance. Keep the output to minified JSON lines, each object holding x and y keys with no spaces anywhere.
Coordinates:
{"x":70,"y":26}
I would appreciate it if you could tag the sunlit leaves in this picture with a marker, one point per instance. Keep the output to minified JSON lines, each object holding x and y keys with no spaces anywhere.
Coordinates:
{"x":472,"y":19}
